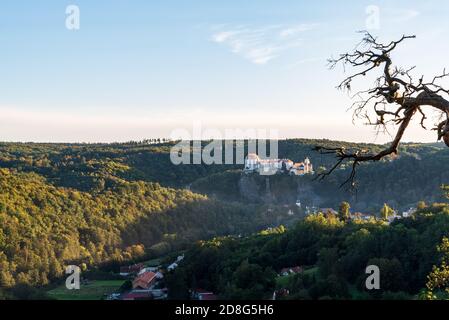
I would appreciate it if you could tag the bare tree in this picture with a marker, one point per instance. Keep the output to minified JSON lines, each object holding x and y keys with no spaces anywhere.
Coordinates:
{"x":394,"y":99}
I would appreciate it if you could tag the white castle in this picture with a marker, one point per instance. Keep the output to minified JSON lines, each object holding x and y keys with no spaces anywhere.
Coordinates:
{"x":272,"y":166}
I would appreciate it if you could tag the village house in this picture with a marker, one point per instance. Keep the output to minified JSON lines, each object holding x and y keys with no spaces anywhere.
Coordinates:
{"x":253,"y":163}
{"x":394,"y":216}
{"x":175,"y":264}
{"x":137,"y":295}
{"x":145,"y":281}
{"x":362,"y":216}
{"x":172,"y":266}
{"x":408,"y":213}
{"x":148,"y":269}
{"x":328,"y":211}
{"x":130,"y":270}
{"x":201,"y":294}
{"x":292,"y":270}
{"x":312,"y":210}
{"x":159,"y":294}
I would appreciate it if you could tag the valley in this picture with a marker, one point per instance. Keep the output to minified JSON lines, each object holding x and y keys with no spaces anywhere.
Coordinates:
{"x":102,"y":206}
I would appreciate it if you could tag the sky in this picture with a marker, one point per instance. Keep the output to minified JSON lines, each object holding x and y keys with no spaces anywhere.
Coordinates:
{"x":144,"y":69}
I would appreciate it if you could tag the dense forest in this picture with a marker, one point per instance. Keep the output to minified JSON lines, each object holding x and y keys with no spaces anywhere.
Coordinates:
{"x":415,"y":175}
{"x":411,"y":253}
{"x":43,"y":227}
{"x":97,"y":204}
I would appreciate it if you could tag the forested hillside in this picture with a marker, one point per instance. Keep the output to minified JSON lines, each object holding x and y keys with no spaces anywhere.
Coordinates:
{"x":412,"y":255}
{"x":417,"y":174}
{"x":92,"y":204}
{"x":93,"y":167}
{"x":43,"y":227}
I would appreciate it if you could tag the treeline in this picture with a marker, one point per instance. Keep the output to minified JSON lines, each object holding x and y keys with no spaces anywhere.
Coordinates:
{"x":334,"y":255}
{"x":91,"y":167}
{"x":94,"y":167}
{"x":91,"y":204}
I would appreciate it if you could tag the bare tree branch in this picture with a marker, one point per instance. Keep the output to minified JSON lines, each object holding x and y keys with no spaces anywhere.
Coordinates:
{"x":394,"y":99}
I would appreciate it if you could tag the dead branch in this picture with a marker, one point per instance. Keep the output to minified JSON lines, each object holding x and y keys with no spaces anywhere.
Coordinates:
{"x":394,"y":99}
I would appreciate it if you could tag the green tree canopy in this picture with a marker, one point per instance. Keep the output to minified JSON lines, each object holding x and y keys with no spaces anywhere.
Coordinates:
{"x":386,"y":212}
{"x":343,"y":211}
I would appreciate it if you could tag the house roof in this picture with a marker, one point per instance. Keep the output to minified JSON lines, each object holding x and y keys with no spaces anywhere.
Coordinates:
{"x":137,"y":295}
{"x":132,"y":268}
{"x":147,"y":276}
{"x":209,"y":296}
{"x":204,"y":294}
{"x":296,"y":269}
{"x":144,"y":279}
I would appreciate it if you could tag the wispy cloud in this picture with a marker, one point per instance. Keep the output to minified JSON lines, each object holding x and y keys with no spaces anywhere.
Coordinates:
{"x":306,"y":61}
{"x":402,"y":15}
{"x":294,"y":30}
{"x":263,"y":44}
{"x":409,"y":14}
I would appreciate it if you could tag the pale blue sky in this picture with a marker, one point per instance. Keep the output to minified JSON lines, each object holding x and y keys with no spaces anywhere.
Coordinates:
{"x":140,"y":69}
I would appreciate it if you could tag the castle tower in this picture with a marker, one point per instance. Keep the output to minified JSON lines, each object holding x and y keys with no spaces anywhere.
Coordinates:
{"x":252,"y":162}
{"x":308,"y":166}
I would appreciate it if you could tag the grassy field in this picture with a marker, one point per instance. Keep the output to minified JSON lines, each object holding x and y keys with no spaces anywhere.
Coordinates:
{"x":95,"y":290}
{"x":282,"y":281}
{"x":311,"y":271}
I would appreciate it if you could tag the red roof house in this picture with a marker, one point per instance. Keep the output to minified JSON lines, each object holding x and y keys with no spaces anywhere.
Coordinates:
{"x":145,"y":280}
